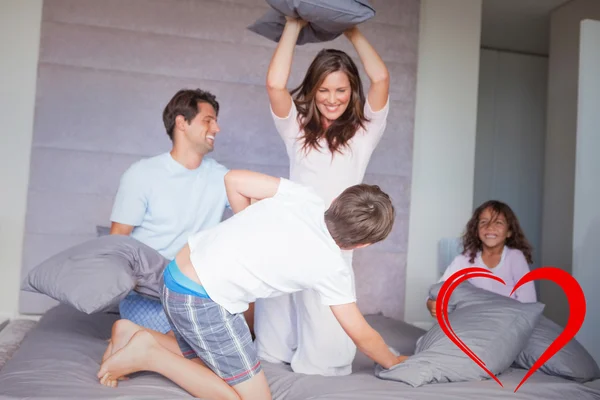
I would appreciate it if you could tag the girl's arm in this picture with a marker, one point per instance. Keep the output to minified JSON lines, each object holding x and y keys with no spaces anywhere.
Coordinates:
{"x":280,"y":67}
{"x":374,"y":67}
{"x":451,"y":269}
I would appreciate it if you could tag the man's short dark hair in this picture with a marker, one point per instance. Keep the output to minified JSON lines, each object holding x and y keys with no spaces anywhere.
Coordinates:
{"x":185,"y":103}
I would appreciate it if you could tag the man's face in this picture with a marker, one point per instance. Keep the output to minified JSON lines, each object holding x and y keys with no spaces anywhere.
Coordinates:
{"x":202,"y":130}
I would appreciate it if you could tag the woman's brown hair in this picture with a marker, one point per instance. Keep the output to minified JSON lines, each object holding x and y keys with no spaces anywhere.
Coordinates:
{"x":339,"y":133}
{"x":517,"y":240}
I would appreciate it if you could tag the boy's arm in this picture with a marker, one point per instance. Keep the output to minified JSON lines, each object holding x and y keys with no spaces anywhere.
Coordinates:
{"x":367,"y":340}
{"x":243,"y":186}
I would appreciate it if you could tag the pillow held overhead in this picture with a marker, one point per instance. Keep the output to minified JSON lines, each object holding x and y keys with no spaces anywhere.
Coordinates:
{"x":327,"y":19}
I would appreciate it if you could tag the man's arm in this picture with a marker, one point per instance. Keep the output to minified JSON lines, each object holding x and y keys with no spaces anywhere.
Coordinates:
{"x":367,"y":339}
{"x":244,"y":186}
{"x":130,"y":202}
{"x":120,"y":229}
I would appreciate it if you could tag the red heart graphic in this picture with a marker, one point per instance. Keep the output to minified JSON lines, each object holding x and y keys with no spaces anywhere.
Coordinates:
{"x":442,"y":310}
{"x":577,"y":309}
{"x":575,"y":297}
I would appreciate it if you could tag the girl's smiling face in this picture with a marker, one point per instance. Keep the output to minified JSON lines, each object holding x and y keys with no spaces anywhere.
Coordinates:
{"x":493,"y":229}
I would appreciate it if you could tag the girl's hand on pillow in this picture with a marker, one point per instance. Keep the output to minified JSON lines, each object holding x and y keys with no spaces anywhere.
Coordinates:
{"x":431,"y":306}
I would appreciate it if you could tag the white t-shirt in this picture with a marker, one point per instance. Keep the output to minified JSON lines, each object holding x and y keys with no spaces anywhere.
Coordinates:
{"x":276,"y":246}
{"x":330,"y":177}
{"x":166,"y":202}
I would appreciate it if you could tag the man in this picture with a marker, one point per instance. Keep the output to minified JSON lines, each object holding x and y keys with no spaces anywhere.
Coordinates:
{"x":164,"y":199}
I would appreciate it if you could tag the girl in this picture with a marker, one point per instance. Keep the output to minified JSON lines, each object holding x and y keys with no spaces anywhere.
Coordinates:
{"x":494,"y":240}
{"x":330,"y":129}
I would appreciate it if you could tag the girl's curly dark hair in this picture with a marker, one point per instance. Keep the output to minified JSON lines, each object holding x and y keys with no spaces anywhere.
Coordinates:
{"x":471,"y":242}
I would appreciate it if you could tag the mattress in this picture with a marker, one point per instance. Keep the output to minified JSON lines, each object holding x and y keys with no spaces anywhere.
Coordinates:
{"x":59,"y":359}
{"x":11,"y":336}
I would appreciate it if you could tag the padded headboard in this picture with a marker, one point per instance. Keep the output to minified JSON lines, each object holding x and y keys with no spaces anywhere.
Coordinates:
{"x":106,"y":71}
{"x":448,"y":249}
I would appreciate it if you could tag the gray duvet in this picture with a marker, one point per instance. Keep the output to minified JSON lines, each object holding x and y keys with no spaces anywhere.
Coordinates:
{"x":60,"y":357}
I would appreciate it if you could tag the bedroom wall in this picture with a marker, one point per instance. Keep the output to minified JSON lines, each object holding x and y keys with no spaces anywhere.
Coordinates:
{"x":444,"y":147}
{"x":560,"y":150}
{"x":18,"y":67}
{"x":106,"y":70}
{"x":511,"y":131}
{"x":586,"y":226}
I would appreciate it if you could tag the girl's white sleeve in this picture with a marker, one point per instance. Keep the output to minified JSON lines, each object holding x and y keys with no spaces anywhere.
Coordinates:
{"x":452,"y":268}
{"x":519,"y":268}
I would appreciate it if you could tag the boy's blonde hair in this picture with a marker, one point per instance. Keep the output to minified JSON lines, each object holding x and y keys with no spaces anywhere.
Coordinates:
{"x":361,"y":215}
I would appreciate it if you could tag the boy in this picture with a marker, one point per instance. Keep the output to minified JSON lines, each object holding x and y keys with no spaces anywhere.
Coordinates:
{"x":285,"y":242}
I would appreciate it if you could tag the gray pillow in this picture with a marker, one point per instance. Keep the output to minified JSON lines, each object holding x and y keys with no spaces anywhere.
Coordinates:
{"x":571,"y":362}
{"x":496,"y":328}
{"x":102,"y":230}
{"x":327,"y":19}
{"x":96,"y":275}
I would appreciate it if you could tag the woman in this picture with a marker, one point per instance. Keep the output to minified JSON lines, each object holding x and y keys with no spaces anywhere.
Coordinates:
{"x":330,"y":130}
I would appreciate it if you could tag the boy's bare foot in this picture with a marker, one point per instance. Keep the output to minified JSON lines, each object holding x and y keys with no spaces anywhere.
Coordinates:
{"x":131,"y":358}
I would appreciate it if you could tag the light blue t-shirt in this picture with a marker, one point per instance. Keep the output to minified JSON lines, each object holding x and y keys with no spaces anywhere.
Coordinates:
{"x":166,"y":202}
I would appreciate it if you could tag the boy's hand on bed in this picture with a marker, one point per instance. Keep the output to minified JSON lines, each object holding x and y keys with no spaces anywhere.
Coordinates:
{"x":400,"y":359}
{"x":366,"y":339}
{"x":395,"y":360}
{"x":431,"y":306}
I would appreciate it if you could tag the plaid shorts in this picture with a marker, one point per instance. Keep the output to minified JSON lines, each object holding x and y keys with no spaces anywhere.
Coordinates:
{"x":205,"y":329}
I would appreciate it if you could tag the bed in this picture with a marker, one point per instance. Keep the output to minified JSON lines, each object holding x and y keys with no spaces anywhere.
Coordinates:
{"x":59,"y":357}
